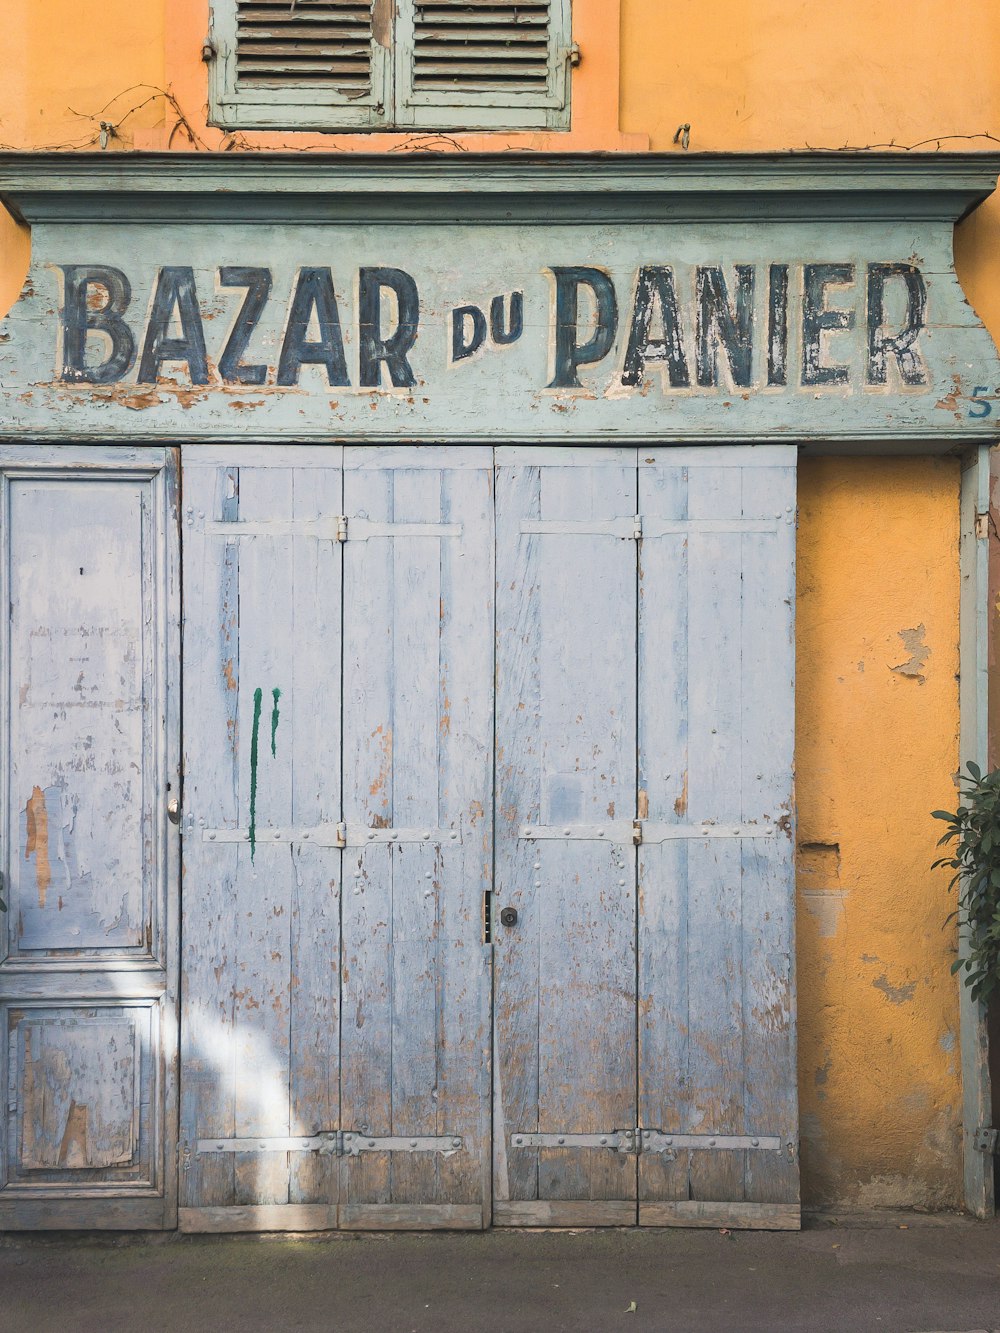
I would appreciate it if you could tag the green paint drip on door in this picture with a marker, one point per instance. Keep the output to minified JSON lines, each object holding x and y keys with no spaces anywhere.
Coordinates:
{"x":275,"y":695}
{"x":258,"y":696}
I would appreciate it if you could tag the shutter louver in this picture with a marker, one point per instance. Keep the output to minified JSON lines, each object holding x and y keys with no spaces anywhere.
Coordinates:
{"x":478,"y":45}
{"x":322,"y":44}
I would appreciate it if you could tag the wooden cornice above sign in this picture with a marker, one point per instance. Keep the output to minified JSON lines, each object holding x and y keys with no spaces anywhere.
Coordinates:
{"x":523,"y":298}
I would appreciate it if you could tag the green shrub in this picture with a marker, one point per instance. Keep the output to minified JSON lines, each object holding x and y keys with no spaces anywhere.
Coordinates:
{"x":974,"y":828}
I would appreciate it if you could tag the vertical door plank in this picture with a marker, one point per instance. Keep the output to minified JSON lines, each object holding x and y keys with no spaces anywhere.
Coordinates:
{"x":366,"y":982}
{"x":211,"y":789}
{"x":308,"y":730}
{"x":263,"y":916}
{"x":517,"y":978}
{"x":418,"y":733}
{"x":416,"y":942}
{"x":566,"y":750}
{"x":664,"y":931}
{"x":768,"y":692}
{"x":465,"y":723}
{"x":715,"y":1006}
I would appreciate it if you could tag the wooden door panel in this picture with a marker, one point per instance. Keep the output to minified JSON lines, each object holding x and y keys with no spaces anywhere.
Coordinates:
{"x":565,"y":973}
{"x":418,"y":730}
{"x":262,"y":871}
{"x":716,"y":690}
{"x":89,"y":746}
{"x":81,"y":652}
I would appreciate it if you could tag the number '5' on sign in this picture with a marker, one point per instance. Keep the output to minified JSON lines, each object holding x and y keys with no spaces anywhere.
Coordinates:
{"x":980,"y":408}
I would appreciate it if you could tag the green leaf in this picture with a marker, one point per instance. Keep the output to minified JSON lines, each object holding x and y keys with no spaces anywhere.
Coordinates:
{"x":975,"y":770}
{"x":941,"y":814}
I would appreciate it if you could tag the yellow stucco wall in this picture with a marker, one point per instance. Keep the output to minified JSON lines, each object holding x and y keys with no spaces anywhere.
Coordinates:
{"x":878,"y":539}
{"x":876,"y":741}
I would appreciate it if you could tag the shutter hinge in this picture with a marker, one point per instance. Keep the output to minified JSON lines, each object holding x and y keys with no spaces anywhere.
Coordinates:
{"x":341,"y":835}
{"x":637,"y":831}
{"x":982,"y":526}
{"x":341,"y":527}
{"x":986,"y":1141}
{"x":209,"y":50}
{"x":572,"y":54}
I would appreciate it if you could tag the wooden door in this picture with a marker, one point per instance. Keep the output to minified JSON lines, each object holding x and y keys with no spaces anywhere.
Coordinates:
{"x":645,"y":1056}
{"x":418,"y":740}
{"x":338,"y":730}
{"x":717,"y":1074}
{"x":260,"y":1036}
{"x":565,"y":983}
{"x":89,"y":760}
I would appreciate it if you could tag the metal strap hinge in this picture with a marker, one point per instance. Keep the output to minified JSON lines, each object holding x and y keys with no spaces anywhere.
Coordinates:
{"x":337,"y":1143}
{"x":986,"y":1140}
{"x":333,"y":527}
{"x":640,"y":831}
{"x":641,"y":1140}
{"x":636,"y":527}
{"x":333,"y":835}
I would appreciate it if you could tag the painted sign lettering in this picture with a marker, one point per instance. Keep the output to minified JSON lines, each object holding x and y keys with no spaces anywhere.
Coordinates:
{"x":705,"y":328}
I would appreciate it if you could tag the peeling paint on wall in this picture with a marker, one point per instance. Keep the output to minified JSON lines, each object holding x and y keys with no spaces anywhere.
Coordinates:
{"x":914,"y":644}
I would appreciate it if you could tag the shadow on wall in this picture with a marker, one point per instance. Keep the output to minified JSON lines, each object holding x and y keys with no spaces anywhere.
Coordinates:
{"x":15,"y":256}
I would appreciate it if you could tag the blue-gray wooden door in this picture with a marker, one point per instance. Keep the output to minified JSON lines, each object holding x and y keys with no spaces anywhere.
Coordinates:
{"x":338,"y":837}
{"x":89,"y":759}
{"x":342,"y":899}
{"x":644,"y":1001}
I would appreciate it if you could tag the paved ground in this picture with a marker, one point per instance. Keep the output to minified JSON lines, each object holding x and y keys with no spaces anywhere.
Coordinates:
{"x":937,"y":1274}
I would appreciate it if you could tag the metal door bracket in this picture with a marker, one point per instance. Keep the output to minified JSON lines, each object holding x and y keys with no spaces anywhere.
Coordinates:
{"x":334,"y":835}
{"x":641,"y":1140}
{"x":619,"y":1140}
{"x":336,"y":1143}
{"x":641,"y":831}
{"x":636,"y":527}
{"x":986,"y":1140}
{"x":446,"y":1144}
{"x":655,"y":1140}
{"x":334,"y":527}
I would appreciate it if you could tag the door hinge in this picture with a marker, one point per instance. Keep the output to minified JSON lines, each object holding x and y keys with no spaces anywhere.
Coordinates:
{"x":641,"y":1140}
{"x":640,"y":831}
{"x":986,"y":1141}
{"x":332,"y":527}
{"x":636,"y":527}
{"x":337,"y":1143}
{"x":333,"y":835}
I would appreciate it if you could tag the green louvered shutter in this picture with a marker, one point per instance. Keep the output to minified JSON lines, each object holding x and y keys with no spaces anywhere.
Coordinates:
{"x":301,"y":64}
{"x":483,"y":64}
{"x":379,"y":64}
